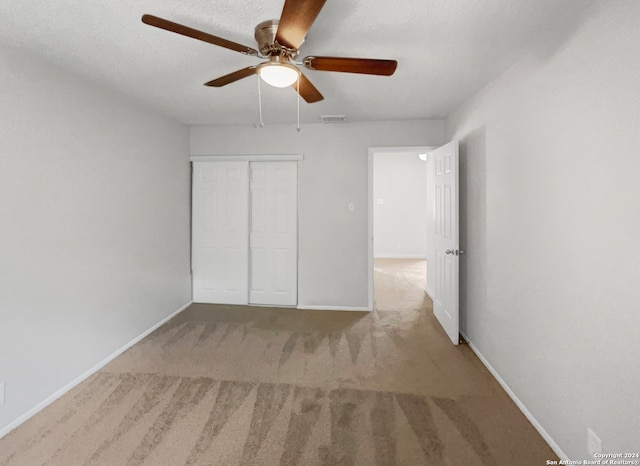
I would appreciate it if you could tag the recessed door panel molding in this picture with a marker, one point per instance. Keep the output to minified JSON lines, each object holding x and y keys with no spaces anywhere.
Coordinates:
{"x":220,"y":228}
{"x":282,"y":210}
{"x":208,"y":219}
{"x":258,"y":269}
{"x":258,"y":211}
{"x":447,"y":211}
{"x":281,"y":261}
{"x":438,"y":209}
{"x":235,"y":211}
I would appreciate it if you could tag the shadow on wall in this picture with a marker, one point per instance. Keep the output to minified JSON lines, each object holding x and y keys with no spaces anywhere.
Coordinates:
{"x":473,"y":224}
{"x":563,"y":27}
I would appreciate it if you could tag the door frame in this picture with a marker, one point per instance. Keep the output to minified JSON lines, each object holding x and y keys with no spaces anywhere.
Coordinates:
{"x":372,"y":152}
{"x":246,"y":158}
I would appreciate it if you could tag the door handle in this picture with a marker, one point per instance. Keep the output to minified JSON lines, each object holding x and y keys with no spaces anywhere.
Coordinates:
{"x":450,"y":251}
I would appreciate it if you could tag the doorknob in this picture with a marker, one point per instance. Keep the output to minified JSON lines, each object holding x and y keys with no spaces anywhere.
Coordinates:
{"x":450,"y":251}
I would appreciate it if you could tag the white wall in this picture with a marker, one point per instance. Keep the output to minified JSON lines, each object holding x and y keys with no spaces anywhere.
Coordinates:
{"x":333,"y":245}
{"x":550,"y":161}
{"x":94,"y":227}
{"x":399,"y":205}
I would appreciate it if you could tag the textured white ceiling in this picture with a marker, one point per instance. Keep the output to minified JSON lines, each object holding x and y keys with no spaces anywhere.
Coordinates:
{"x":447,"y":50}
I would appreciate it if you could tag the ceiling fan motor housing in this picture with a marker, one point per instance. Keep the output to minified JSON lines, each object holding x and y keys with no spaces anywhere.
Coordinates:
{"x":265,"y":35}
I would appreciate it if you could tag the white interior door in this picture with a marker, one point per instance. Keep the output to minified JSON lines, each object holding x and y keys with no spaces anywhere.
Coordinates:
{"x":220,"y":232}
{"x":273,"y":239}
{"x":443,"y":240}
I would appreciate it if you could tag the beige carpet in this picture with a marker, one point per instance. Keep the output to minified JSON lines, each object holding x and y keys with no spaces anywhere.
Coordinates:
{"x":229,"y":385}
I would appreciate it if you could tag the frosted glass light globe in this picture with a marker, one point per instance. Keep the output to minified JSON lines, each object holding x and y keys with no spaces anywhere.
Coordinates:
{"x":279,"y":74}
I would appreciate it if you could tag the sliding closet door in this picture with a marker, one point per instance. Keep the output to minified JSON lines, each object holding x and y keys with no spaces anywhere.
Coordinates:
{"x":220,"y":232}
{"x":273,"y":239}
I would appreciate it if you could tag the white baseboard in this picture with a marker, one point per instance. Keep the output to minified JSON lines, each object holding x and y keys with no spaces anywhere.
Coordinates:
{"x":53,"y":397}
{"x":335,"y":308}
{"x":430,"y":293}
{"x":541,"y":430}
{"x":400,"y":256}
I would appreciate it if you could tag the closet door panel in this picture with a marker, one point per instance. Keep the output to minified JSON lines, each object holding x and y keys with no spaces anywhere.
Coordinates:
{"x":220,"y":230}
{"x":274,"y":233}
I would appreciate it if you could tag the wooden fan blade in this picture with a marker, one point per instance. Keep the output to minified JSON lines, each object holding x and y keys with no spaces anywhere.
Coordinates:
{"x":307,"y":90}
{"x":296,"y":19}
{"x":194,"y":33}
{"x":232,"y":77}
{"x":352,"y":65}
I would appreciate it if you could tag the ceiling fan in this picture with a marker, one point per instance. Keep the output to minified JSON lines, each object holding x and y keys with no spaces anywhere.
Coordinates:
{"x":279,"y":42}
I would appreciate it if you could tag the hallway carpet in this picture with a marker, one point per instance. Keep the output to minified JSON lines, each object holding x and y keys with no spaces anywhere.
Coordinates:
{"x":238,"y":385}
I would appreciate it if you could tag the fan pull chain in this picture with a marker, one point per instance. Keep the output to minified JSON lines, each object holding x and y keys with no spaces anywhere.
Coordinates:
{"x":260,"y":123}
{"x":298,"y":101}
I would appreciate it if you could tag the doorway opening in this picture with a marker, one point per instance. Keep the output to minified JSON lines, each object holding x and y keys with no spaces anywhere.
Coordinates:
{"x":398,"y":227}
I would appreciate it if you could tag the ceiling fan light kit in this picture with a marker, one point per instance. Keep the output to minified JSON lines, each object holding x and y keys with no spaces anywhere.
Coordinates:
{"x":279,"y":42}
{"x":277,"y":73}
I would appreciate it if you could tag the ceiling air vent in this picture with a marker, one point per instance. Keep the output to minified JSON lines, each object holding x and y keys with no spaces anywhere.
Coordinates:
{"x":333,"y":118}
